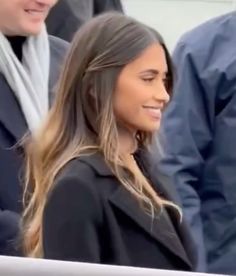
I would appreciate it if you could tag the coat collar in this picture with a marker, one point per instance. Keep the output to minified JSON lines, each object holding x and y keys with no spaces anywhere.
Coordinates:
{"x":160,"y":228}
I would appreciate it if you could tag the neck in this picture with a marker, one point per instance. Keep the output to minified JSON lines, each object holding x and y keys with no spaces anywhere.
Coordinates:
{"x":127,"y":141}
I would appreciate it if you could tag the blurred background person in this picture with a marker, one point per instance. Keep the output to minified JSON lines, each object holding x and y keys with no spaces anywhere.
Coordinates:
{"x":198,"y":137}
{"x":96,"y":197}
{"x":67,"y":16}
{"x":29,"y":65}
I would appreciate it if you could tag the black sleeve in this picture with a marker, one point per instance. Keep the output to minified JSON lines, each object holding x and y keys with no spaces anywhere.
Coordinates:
{"x":9,"y":233}
{"x":71,"y":222}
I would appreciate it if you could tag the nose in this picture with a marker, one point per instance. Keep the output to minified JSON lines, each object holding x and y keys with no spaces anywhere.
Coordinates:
{"x":161,"y":94}
{"x":49,"y":3}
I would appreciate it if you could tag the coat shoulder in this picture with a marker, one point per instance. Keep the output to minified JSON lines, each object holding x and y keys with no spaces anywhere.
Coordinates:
{"x":58,"y":52}
{"x":78,"y":171}
{"x":58,"y":45}
{"x":216,"y":28}
{"x":73,"y":188}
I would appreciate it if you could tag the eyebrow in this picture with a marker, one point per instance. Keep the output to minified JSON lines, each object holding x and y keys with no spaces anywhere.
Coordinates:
{"x":153,"y":71}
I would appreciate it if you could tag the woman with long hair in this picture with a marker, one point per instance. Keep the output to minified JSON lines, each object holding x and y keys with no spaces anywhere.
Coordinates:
{"x":93,"y":195}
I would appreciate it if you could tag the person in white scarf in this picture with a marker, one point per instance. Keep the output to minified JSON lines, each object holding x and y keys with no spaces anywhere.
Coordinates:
{"x":29,"y":78}
{"x":26,"y":78}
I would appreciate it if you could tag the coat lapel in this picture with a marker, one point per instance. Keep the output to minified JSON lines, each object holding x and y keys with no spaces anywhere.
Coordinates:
{"x":11,"y":116}
{"x":160,"y":229}
{"x":181,"y":226}
{"x":168,"y":191}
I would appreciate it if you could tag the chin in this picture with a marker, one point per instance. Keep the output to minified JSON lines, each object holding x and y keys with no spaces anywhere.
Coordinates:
{"x":32,"y":30}
{"x":150,"y":129}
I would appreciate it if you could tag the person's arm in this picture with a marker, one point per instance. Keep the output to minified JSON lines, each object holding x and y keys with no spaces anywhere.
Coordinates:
{"x":9,"y":231}
{"x":71,"y":222}
{"x":186,"y":134}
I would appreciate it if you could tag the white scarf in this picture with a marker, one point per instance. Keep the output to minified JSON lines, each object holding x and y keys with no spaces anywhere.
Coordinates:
{"x":28,"y":79}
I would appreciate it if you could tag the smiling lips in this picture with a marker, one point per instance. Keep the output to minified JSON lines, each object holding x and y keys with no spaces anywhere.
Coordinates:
{"x":154,"y":112}
{"x":36,"y":13}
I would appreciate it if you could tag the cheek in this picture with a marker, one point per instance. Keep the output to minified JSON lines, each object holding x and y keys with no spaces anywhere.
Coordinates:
{"x":126,"y":97}
{"x":7,"y":13}
{"x":121,"y":104}
{"x":128,"y":101}
{"x":132,"y":91}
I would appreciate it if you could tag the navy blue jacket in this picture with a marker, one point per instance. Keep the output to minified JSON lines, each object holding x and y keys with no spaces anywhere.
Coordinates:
{"x":199,"y":138}
{"x":12,"y":128}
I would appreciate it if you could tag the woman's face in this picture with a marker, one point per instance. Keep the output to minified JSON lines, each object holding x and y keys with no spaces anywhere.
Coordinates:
{"x":140,"y":94}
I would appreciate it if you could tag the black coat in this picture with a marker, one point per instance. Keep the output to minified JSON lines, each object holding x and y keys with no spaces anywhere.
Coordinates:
{"x":12,"y":128}
{"x":90,"y":217}
{"x":66,"y":17}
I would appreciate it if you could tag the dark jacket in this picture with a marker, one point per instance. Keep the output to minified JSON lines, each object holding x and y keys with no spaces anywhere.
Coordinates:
{"x":199,"y":134}
{"x":91,"y":217}
{"x":12,"y":128}
{"x":66,"y":17}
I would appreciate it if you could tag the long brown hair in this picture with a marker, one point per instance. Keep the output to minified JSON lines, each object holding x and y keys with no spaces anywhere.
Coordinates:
{"x":82,"y":121}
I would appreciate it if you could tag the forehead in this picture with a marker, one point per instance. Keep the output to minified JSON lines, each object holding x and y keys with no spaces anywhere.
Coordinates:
{"x":152,"y":57}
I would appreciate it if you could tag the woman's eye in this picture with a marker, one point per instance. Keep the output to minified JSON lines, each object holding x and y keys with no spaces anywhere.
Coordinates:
{"x":148,"y":79}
